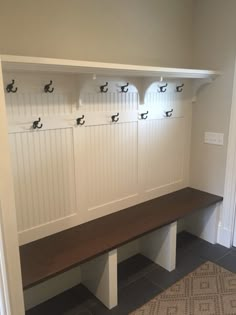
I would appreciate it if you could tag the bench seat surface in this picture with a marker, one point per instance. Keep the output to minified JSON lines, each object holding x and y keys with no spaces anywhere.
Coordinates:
{"x":59,"y":252}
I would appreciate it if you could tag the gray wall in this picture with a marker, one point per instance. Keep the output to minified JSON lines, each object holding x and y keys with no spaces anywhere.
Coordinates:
{"x":214,"y":48}
{"x":150,"y":32}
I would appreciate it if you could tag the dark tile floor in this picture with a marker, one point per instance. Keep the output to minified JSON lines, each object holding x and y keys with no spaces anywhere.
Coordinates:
{"x":140,"y":280}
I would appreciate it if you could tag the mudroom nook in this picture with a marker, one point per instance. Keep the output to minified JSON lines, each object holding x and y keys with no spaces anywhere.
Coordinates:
{"x":87,"y":154}
{"x":117,"y":164}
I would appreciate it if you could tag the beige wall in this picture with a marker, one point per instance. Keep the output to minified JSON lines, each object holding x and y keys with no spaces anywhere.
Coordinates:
{"x":214,"y":47}
{"x":151,"y":32}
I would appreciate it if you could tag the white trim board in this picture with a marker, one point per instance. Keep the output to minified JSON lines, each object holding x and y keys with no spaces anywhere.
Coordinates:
{"x":75,"y":66}
{"x":9,"y":250}
{"x":227,"y":216}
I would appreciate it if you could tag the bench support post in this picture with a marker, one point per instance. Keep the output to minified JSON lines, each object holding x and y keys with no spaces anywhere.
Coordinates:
{"x":100,"y":276}
{"x":160,"y":246}
{"x":204,"y":223}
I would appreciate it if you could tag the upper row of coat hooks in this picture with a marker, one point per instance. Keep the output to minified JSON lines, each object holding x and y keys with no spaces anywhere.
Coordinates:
{"x":163,"y":88}
{"x":103,"y":88}
{"x":12,"y":89}
{"x":124,"y":89}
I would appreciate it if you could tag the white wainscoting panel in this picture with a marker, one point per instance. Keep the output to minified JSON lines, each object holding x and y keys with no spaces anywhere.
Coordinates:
{"x":161,"y":154}
{"x":31,"y":104}
{"x":44,"y":177}
{"x":111,"y":163}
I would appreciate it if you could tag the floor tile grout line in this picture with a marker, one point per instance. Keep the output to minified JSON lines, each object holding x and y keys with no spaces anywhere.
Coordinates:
{"x":228,"y":253}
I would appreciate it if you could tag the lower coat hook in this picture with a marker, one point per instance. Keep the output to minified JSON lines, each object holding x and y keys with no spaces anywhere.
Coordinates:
{"x":80,"y":120}
{"x":115,"y":118}
{"x":169,"y":113}
{"x":103,"y":88}
{"x":144,"y":115}
{"x":36,"y":124}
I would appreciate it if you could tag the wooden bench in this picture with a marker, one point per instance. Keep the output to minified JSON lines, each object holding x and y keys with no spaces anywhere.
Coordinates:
{"x":57,"y":253}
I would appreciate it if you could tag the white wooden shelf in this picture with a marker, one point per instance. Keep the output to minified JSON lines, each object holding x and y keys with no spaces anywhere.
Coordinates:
{"x":85,"y":67}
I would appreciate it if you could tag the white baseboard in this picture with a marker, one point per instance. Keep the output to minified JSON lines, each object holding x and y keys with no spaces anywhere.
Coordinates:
{"x":224,"y":236}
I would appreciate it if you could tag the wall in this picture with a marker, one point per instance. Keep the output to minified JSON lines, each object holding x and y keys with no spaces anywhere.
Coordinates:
{"x":214,"y":48}
{"x":150,"y":32}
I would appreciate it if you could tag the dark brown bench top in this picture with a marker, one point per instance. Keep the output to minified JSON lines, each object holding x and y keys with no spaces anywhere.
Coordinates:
{"x":59,"y":252}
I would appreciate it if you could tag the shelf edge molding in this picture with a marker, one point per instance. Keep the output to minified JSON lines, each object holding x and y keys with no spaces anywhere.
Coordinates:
{"x":10,"y":62}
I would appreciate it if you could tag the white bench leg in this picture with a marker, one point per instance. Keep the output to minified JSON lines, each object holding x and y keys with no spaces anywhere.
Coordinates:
{"x":100,"y":276}
{"x":160,"y":246}
{"x":204,"y":223}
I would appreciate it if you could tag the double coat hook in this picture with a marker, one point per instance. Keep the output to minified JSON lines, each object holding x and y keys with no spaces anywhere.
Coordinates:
{"x":123,"y":88}
{"x":10,"y":87}
{"x":80,"y":120}
{"x":169,"y":113}
{"x":115,"y":118}
{"x":103,"y":88}
{"x":47,"y":87}
{"x":179,"y":88}
{"x":36,"y":124}
{"x":144,"y":115}
{"x":162,"y":88}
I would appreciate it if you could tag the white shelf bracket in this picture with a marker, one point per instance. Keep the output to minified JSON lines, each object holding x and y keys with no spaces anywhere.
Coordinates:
{"x":142,"y":97}
{"x":198,"y":85}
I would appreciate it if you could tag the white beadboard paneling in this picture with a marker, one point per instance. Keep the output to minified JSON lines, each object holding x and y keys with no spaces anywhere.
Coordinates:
{"x":111,"y":167}
{"x":105,"y":118}
{"x":25,"y":124}
{"x":162,"y":153}
{"x":91,"y":99}
{"x":158,"y":103}
{"x":44,"y":179}
{"x":30,"y":104}
{"x":67,"y":174}
{"x":30,"y":98}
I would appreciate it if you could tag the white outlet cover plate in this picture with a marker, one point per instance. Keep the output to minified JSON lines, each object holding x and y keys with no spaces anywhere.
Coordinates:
{"x":214,"y":138}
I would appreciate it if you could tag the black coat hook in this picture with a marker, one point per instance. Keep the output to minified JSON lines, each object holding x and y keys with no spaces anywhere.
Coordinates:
{"x":10,"y":87}
{"x":102,"y":88}
{"x":80,"y":120}
{"x":123,"y":88}
{"x":115,"y":118}
{"x":162,"y":88}
{"x":144,"y":115}
{"x":47,"y":87}
{"x":36,"y":124}
{"x":169,"y":113}
{"x":179,"y":88}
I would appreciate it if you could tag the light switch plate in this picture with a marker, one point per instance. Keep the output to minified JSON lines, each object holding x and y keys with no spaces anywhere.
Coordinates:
{"x":214,"y":138}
